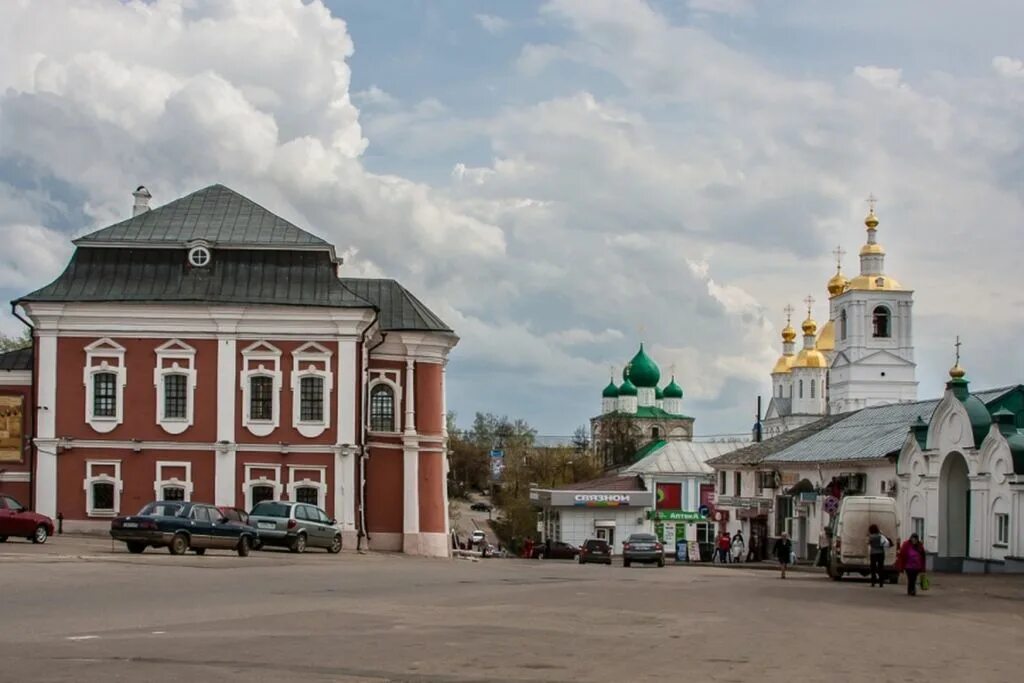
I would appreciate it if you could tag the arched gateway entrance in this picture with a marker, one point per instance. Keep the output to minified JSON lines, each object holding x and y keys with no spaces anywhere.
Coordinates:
{"x":954,"y":513}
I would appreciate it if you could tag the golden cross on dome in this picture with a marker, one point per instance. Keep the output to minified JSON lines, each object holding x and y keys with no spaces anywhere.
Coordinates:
{"x":839,"y":253}
{"x":872,"y":200}
{"x":788,"y":310}
{"x":957,"y":345}
{"x":810,"y":304}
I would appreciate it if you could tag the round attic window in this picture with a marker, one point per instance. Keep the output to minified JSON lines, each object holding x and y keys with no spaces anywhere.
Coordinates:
{"x":199,"y":256}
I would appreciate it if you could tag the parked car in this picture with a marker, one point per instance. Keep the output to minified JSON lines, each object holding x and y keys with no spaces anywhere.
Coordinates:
{"x":481,"y":507}
{"x":556,"y":550}
{"x":595,"y":550}
{"x":19,"y":522}
{"x":234,"y":514}
{"x":643,"y":548}
{"x":296,"y":526}
{"x":849,"y":552}
{"x":181,"y":526}
{"x":477,"y":537}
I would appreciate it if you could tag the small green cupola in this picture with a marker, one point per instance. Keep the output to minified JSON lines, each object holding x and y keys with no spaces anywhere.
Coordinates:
{"x":642,"y":371}
{"x":610,"y":391}
{"x":673,"y":390}
{"x":659,"y":394}
{"x":981,"y":419}
{"x":627,"y":388}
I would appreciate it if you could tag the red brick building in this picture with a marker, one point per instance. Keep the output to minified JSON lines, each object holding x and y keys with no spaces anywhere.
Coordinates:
{"x":210,"y":350}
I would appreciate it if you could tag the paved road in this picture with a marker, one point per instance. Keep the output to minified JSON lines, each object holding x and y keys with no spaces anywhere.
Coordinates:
{"x":73,"y":610}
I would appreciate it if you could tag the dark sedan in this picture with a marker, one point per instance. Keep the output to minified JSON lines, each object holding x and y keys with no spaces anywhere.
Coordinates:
{"x":180,"y":526}
{"x":555,"y":550}
{"x":643,"y":548}
{"x":595,"y":550}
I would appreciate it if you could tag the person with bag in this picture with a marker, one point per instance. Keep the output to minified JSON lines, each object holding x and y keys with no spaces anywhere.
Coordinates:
{"x":738,"y":547}
{"x":784,"y":552}
{"x":911,"y":560}
{"x":877,"y":543}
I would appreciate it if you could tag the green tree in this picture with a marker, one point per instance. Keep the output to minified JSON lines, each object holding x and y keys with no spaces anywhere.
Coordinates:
{"x":11,"y":343}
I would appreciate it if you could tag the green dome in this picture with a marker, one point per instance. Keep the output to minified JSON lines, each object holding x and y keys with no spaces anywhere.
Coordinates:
{"x":658,"y":394}
{"x":673,"y":390}
{"x":610,"y":391}
{"x":642,"y":371}
{"x":981,"y":419}
{"x":627,"y":389}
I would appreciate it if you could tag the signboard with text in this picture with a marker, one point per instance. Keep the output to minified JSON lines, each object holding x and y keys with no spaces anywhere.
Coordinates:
{"x":12,"y":420}
{"x":497,"y":464}
{"x":688,"y":516}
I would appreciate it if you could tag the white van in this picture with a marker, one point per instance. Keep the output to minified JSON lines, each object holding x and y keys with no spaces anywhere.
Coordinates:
{"x":849,"y":543}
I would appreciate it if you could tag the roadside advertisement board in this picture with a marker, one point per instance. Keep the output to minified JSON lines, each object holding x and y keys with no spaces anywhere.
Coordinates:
{"x":497,"y":464}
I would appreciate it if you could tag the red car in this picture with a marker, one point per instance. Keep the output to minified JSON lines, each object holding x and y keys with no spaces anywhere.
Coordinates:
{"x":16,"y":521}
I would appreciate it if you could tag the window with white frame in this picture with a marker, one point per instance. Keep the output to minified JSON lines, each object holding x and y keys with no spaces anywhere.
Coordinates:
{"x":173,"y":480}
{"x":262,"y":482}
{"x":382,"y":408}
{"x":102,"y":488}
{"x":260,"y":378}
{"x":311,"y":385}
{"x":261,"y":493}
{"x":175,"y":380}
{"x":307,"y":494}
{"x":104,"y":377}
{"x":1002,"y":528}
{"x":306,"y":484}
{"x":917,"y":526}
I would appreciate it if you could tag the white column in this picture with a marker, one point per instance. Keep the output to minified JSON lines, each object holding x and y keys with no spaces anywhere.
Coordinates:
{"x":444,"y":401}
{"x":224,"y":468}
{"x":410,"y":396}
{"x":411,"y":497}
{"x":345,"y":463}
{"x":1016,"y":548}
{"x":46,"y":425}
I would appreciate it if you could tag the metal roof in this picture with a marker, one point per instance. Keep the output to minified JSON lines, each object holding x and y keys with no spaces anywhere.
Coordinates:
{"x":611,"y":482}
{"x":215,"y":214}
{"x":754,"y":453}
{"x":399,"y":309}
{"x":867,"y":434}
{"x":139,"y":275}
{"x":683,"y":457}
{"x":17,"y":359}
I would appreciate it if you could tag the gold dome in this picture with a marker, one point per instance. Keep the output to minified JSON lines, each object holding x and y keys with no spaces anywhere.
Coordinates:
{"x":783,"y":365}
{"x":957,"y":372}
{"x":870,"y":248}
{"x":827,"y":338}
{"x":873,"y":282}
{"x":810,"y":358}
{"x":871,"y":220}
{"x":809,"y":326}
{"x":788,"y":333}
{"x":837,"y":285}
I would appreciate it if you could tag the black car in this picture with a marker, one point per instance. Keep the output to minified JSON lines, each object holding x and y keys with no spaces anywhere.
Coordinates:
{"x":480,"y":507}
{"x":595,"y":550}
{"x":555,"y":550}
{"x":181,"y":526}
{"x":643,"y":548}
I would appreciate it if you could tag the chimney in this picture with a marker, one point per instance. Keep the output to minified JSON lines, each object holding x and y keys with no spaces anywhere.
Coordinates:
{"x":142,"y":197}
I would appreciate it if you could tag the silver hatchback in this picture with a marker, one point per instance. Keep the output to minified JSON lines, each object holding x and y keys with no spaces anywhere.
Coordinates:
{"x":295,"y":526}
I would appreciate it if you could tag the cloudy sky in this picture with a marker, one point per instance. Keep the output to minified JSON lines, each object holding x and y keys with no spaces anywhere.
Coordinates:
{"x":556,"y":179}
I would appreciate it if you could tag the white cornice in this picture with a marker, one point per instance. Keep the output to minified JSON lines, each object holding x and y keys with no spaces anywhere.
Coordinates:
{"x":15,"y":378}
{"x":211,"y":447}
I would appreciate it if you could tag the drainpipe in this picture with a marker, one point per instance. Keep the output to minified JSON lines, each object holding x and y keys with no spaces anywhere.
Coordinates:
{"x":363,"y":455}
{"x":34,"y":395}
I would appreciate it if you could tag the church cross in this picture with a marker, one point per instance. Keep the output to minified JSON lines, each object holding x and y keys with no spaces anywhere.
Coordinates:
{"x":872,"y":200}
{"x":957,"y":345}
{"x":788,"y":310}
{"x":810,"y":304}
{"x":839,"y":253}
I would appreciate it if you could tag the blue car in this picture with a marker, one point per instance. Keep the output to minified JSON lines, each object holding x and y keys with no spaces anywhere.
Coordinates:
{"x":181,"y":526}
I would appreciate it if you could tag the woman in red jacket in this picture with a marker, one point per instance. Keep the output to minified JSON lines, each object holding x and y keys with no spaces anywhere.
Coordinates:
{"x":912,"y":561}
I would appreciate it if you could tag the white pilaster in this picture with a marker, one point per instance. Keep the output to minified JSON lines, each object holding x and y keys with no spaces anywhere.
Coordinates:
{"x":444,"y":401}
{"x":224,"y":467}
{"x":46,"y":424}
{"x":345,"y":463}
{"x":411,"y":496}
{"x":410,"y":396}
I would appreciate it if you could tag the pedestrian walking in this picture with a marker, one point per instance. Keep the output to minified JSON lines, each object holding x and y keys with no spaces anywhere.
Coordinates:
{"x":738,"y":547}
{"x":784,"y":552}
{"x":877,"y":543}
{"x":724,"y":545}
{"x":911,"y":561}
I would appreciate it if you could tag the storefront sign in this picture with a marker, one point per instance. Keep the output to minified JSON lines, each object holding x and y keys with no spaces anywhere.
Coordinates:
{"x":670,"y":496}
{"x":743,"y":502}
{"x":601,"y":500}
{"x":12,"y":420}
{"x":675,"y":516}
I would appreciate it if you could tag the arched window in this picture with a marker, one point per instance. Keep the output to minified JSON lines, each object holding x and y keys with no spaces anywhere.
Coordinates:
{"x":801,"y":388}
{"x":311,"y":399}
{"x":842,"y":324}
{"x":382,"y":409}
{"x":261,"y":397}
{"x":261,"y":493}
{"x":307,"y":494}
{"x":104,"y":394}
{"x":812,"y":389}
{"x":102,"y":495}
{"x":780,"y":391}
{"x":880,"y":322}
{"x":175,"y":397}
{"x":655,"y":433}
{"x":172,"y":493}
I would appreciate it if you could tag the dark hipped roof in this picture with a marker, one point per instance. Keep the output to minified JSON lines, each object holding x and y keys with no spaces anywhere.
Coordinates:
{"x":18,"y":359}
{"x":612,"y":482}
{"x":399,"y":309}
{"x":755,"y":453}
{"x":868,"y":434}
{"x":215,"y":214}
{"x":258,"y":276}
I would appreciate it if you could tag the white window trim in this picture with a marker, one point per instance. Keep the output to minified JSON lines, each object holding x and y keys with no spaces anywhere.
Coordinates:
{"x":162,"y":481}
{"x":1002,"y":541}
{"x":249,"y":482}
{"x":321,"y":485}
{"x":268,"y":364}
{"x":91,"y":479}
{"x":396,"y":404}
{"x":175,"y":351}
{"x":104,"y":350}
{"x":305,"y":355}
